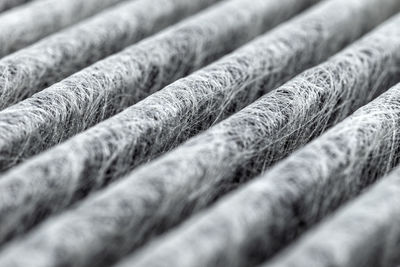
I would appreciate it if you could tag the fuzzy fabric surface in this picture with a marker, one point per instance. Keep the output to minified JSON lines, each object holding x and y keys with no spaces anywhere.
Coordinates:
{"x":366,"y":230}
{"x":162,"y":193}
{"x":199,"y":133}
{"x":53,"y":58}
{"x":262,"y":217}
{"x":7,"y":4}
{"x":110,"y":85}
{"x":94,"y":158}
{"x":28,"y":23}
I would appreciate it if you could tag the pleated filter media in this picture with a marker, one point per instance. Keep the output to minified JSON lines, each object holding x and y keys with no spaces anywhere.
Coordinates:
{"x":199,"y":133}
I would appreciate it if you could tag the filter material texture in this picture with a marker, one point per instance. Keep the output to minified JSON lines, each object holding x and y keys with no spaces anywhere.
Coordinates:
{"x":199,"y":133}
{"x":252,"y":224}
{"x":7,"y":4}
{"x":29,"y":70}
{"x":366,"y":231}
{"x":28,"y":23}
{"x":160,"y":194}
{"x":110,"y":149}
{"x":110,"y":85}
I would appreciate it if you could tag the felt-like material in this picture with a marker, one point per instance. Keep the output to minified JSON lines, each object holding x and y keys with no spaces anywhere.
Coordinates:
{"x":156,"y":196}
{"x":110,"y":149}
{"x":30,"y":70}
{"x":23,"y":25}
{"x":366,"y":231}
{"x":7,"y":4}
{"x":112,"y":84}
{"x":248,"y":226}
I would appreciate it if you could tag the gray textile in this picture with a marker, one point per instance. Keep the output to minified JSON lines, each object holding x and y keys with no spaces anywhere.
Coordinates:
{"x":7,"y":4}
{"x":28,"y":23}
{"x":260,"y":218}
{"x":92,"y":159}
{"x":112,"y":84}
{"x":199,"y":133}
{"x":366,"y":231}
{"x":30,"y":70}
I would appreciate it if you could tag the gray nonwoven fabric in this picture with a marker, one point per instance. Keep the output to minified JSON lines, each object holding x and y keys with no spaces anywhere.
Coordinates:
{"x":26,"y":24}
{"x":250,"y":225}
{"x":366,"y":231}
{"x":29,"y":70}
{"x":110,"y":85}
{"x":298,"y":192}
{"x":7,"y":4}
{"x":158,"y":195}
{"x":110,"y":149}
